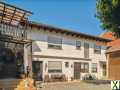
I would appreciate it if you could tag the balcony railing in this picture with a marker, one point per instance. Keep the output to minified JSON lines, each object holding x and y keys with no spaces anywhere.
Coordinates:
{"x":18,"y":32}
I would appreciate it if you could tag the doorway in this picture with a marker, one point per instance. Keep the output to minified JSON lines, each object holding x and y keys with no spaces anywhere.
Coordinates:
{"x":77,"y":66}
{"x":104,"y":69}
{"x":37,"y":67}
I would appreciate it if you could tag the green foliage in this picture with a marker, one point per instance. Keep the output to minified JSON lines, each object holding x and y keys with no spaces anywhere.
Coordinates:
{"x":108,"y":12}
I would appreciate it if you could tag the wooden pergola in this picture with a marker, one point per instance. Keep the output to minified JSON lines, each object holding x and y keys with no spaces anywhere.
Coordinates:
{"x":12,"y":32}
{"x":12,"y":15}
{"x":11,"y":18}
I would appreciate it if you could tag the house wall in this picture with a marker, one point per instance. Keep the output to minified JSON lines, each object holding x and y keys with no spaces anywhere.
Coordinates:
{"x":113,"y":66}
{"x":68,"y":50}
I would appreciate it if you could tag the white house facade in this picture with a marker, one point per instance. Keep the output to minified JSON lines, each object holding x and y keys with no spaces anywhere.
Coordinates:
{"x":62,"y":53}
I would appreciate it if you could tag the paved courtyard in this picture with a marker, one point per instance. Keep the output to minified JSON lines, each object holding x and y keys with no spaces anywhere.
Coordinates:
{"x":75,"y":86}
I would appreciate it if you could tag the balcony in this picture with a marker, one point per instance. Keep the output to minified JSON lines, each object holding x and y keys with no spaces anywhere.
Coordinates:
{"x":14,"y":32}
{"x":11,"y":18}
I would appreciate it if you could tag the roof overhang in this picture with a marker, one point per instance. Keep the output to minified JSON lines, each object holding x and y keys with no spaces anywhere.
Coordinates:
{"x":113,"y":49}
{"x":12,"y":15}
{"x":71,"y":32}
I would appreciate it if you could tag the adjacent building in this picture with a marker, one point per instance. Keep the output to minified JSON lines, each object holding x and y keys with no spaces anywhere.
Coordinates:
{"x":113,"y":56}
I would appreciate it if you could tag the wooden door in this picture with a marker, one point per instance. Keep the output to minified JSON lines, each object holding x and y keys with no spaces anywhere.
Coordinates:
{"x":77,"y":66}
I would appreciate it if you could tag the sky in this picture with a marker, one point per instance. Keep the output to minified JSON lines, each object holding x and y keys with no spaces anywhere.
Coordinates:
{"x":76,"y":15}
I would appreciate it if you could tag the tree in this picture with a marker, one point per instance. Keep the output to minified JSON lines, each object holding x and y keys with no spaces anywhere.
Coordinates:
{"x":108,"y":12}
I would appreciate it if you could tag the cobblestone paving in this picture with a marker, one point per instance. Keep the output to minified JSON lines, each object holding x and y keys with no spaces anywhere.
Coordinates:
{"x":76,"y":86}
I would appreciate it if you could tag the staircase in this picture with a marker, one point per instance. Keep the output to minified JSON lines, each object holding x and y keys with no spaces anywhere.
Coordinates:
{"x":9,"y":84}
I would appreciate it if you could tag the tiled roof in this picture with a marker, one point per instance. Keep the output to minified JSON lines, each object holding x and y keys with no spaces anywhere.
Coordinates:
{"x":108,"y":35}
{"x":114,"y":45}
{"x":113,"y":49}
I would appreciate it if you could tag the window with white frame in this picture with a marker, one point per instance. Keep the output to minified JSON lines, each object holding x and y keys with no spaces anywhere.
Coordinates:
{"x":54,"y":66}
{"x":97,"y":49}
{"x":54,"y":42}
{"x":78,"y":45}
{"x":94,"y":67}
{"x":84,"y":67}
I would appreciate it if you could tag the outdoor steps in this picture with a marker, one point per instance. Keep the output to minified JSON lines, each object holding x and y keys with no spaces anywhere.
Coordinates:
{"x":9,"y":84}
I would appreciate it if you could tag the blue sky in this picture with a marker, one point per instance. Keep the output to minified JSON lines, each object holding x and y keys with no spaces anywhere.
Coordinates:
{"x":78,"y":15}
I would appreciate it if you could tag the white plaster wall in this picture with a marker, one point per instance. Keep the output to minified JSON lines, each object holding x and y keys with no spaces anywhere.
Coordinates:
{"x":69,"y":72}
{"x":68,"y":50}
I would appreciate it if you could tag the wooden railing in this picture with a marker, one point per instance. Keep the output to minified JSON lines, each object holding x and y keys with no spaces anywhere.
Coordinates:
{"x":14,"y":31}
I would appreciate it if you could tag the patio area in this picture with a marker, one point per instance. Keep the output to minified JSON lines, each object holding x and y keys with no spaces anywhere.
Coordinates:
{"x":78,"y":85}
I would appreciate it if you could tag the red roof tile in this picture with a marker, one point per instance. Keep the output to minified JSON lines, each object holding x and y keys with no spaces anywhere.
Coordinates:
{"x":114,"y":44}
{"x":108,"y":35}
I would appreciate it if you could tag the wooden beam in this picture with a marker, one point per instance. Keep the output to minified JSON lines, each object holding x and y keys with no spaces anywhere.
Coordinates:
{"x":12,"y":16}
{"x":3,"y":12}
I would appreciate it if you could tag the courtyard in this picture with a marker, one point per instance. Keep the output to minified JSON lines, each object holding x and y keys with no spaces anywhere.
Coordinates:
{"x":75,"y":86}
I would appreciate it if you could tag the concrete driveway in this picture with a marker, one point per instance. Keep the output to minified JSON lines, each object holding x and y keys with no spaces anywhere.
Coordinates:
{"x":75,"y":86}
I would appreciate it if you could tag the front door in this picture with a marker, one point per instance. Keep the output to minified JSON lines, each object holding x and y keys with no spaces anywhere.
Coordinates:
{"x":77,"y":66}
{"x":37,"y":70}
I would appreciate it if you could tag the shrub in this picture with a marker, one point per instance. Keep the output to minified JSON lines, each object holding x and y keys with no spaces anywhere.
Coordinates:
{"x":89,"y":77}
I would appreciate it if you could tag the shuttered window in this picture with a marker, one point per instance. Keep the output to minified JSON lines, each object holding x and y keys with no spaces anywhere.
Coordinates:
{"x":54,"y":66}
{"x":54,"y":42}
{"x":86,"y":50}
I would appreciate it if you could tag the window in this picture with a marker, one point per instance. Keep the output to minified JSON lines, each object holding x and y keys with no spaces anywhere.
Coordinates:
{"x":78,"y":45}
{"x":66,"y":64}
{"x":54,"y":67}
{"x":86,"y":50}
{"x":84,"y":67}
{"x":54,"y":43}
{"x":97,"y":49}
{"x":94,"y":67}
